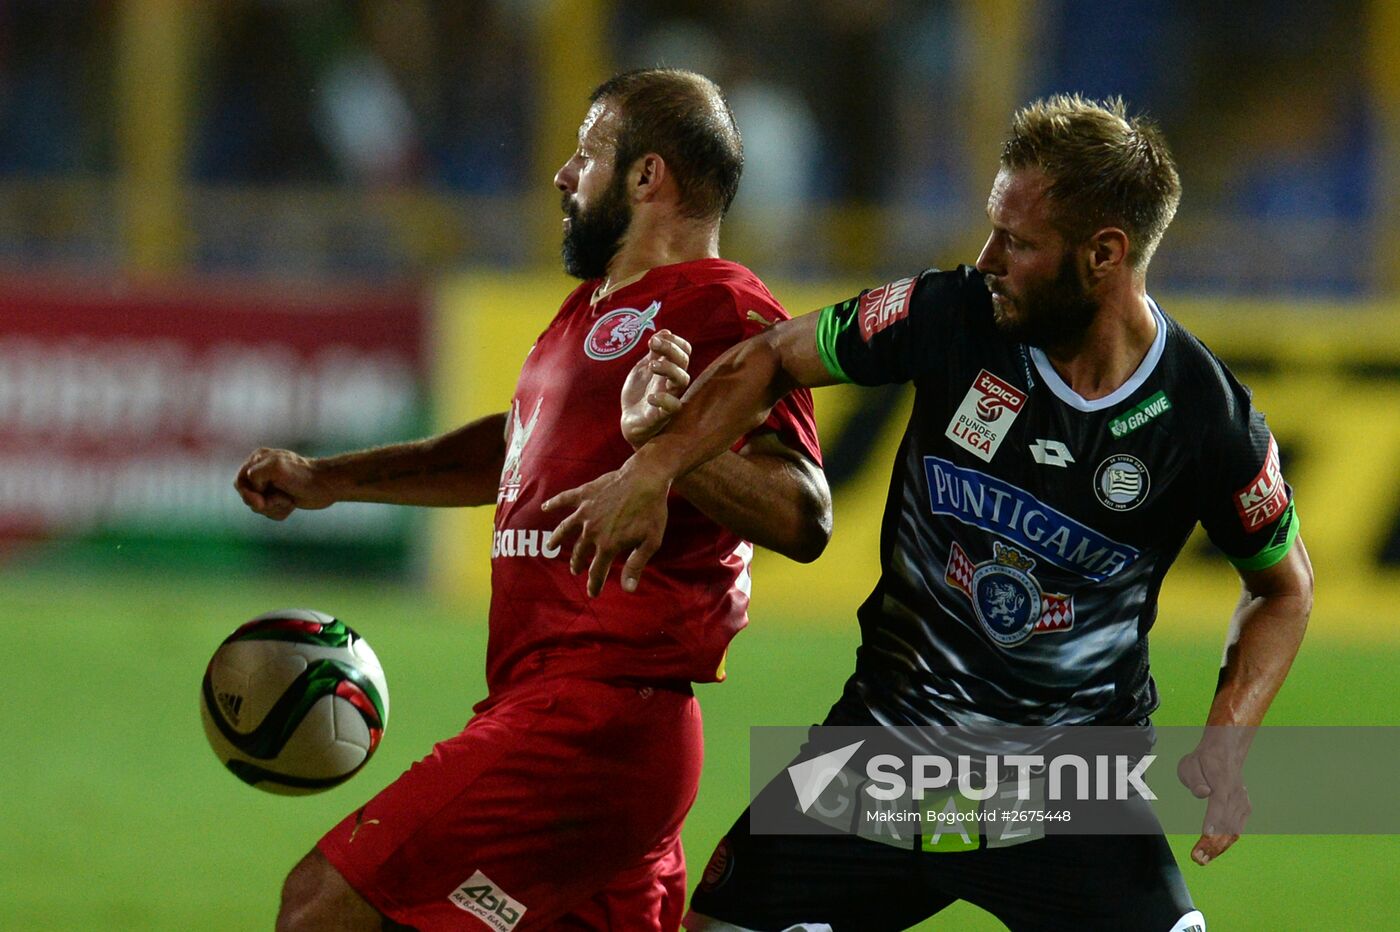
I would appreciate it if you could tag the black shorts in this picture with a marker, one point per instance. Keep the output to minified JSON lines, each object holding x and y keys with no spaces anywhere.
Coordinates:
{"x":1079,"y":882}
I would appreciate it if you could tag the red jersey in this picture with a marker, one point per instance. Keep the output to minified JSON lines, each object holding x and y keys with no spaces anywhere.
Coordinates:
{"x":563,"y":431}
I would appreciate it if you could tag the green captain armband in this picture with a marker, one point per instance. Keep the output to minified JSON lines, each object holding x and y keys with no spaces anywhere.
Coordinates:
{"x":829,"y":327}
{"x":1279,"y":544}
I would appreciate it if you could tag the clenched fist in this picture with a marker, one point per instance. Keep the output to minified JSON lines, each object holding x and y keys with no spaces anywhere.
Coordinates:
{"x":274,"y":483}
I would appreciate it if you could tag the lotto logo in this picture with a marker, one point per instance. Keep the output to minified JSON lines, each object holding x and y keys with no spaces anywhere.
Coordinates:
{"x":1266,"y":496}
{"x":880,"y":307}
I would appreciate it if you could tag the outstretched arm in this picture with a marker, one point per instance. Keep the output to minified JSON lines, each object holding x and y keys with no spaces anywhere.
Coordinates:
{"x":460,"y":467}
{"x":1265,"y":633}
{"x":626,"y":509}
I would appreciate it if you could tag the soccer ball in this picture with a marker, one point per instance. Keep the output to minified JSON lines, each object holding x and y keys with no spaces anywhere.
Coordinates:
{"x":294,"y":702}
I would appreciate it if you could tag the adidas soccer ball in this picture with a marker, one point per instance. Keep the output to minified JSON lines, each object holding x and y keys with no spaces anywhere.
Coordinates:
{"x":294,"y":702}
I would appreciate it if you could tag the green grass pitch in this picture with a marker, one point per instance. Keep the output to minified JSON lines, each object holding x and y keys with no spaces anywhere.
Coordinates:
{"x":117,"y":816}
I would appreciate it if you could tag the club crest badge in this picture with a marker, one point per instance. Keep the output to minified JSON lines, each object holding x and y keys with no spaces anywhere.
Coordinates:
{"x":617,"y":332}
{"x":1122,"y":482}
{"x":985,"y":416}
{"x":1007,"y":599}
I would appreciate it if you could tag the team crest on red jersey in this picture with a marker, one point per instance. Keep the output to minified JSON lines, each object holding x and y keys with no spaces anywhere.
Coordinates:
{"x":617,"y":332}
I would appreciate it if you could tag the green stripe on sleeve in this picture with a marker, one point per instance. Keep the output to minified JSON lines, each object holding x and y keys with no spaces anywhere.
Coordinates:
{"x":829,"y":327}
{"x":1279,"y":544}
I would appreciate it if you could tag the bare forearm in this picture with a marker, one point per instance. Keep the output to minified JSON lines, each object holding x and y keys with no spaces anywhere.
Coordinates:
{"x":1269,"y":632}
{"x":784,"y":506}
{"x":460,"y":467}
{"x":1265,"y":634}
{"x":735,"y":394}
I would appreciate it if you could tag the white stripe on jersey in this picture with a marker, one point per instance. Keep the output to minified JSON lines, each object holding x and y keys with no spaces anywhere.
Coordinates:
{"x":745,"y":554}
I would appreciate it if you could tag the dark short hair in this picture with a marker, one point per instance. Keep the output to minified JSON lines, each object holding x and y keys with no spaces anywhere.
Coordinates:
{"x":682,"y":117}
{"x":1104,"y":167}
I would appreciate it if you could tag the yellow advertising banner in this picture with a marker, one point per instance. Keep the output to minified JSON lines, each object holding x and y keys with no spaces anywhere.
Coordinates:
{"x":1328,"y":376}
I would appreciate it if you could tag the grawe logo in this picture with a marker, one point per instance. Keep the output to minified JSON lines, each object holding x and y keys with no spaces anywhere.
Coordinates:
{"x":1140,"y":414}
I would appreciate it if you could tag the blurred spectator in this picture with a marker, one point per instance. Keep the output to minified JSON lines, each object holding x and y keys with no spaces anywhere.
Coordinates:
{"x":373,"y":93}
{"x":253,"y":121}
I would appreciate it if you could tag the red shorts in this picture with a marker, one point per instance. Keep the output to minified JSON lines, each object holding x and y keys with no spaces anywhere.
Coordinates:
{"x":559,"y":805}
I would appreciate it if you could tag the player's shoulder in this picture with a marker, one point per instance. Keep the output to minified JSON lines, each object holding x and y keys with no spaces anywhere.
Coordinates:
{"x":957,"y":292}
{"x":722,"y":294}
{"x":1199,"y":377}
{"x":961,"y":290}
{"x":722,"y":276}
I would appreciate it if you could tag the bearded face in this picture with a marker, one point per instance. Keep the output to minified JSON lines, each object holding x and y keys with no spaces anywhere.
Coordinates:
{"x":593,"y":236}
{"x":1048,"y":311}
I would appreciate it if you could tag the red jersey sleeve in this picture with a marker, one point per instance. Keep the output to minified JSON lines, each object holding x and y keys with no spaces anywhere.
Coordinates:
{"x":737,"y":314}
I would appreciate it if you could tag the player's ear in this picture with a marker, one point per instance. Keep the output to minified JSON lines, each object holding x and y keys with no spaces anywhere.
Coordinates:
{"x":1107,"y":252}
{"x":647,"y":177}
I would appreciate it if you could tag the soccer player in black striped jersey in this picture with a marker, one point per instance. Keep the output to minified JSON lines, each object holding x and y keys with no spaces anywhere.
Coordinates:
{"x":1066,"y":437}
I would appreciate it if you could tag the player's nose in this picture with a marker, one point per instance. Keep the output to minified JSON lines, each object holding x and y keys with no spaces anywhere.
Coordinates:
{"x":566,"y":178}
{"x":989,"y":260}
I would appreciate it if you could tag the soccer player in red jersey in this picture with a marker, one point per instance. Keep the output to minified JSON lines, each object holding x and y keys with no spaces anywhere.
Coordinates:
{"x":560,"y":803}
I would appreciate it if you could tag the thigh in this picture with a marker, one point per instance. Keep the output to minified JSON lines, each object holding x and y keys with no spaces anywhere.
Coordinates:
{"x":772,"y":882}
{"x":1073,"y":882}
{"x":644,"y":898}
{"x":545,"y":797}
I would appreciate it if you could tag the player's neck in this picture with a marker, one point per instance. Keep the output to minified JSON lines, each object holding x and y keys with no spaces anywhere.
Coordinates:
{"x":1110,"y":350}
{"x":649,"y":246}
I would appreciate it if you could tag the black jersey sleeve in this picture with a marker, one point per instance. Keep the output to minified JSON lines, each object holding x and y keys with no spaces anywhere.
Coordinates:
{"x":899,"y":331}
{"x":1247,"y":507}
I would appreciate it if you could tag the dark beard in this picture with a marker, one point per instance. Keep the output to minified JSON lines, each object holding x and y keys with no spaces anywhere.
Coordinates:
{"x":593,"y":237}
{"x":1053,"y":314}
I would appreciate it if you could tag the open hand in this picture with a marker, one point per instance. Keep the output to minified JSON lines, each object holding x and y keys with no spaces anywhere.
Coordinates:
{"x":651,"y":395}
{"x":619,"y":511}
{"x":1214,"y":771}
{"x":274,"y":483}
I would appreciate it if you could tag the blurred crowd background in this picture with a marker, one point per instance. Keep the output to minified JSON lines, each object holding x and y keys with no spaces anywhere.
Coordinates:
{"x":323,"y":224}
{"x":392,"y":139}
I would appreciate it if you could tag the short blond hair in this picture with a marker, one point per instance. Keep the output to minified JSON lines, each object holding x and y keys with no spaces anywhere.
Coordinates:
{"x":1105,"y":168}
